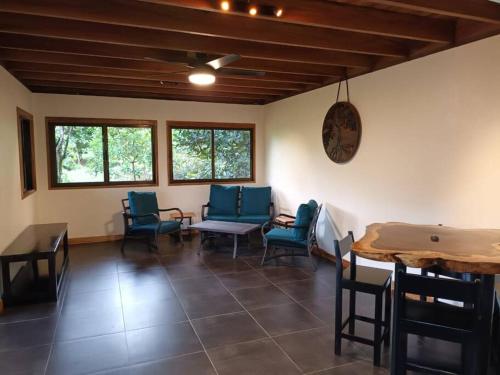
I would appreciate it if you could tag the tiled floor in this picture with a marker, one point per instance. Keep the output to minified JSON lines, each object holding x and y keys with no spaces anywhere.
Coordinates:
{"x":177,"y":312}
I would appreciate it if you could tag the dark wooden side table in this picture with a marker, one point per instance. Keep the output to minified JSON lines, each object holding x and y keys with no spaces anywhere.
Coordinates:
{"x":36,"y":242}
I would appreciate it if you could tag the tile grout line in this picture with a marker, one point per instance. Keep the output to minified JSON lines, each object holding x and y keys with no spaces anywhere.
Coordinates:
{"x":189,"y":320}
{"x":256,"y":322}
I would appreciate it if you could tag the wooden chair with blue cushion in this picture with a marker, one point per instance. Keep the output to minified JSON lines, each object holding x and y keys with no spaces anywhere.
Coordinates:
{"x":292,"y":240}
{"x":141,"y":217}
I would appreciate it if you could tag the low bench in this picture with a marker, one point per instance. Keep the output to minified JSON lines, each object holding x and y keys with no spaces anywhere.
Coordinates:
{"x":35,"y":243}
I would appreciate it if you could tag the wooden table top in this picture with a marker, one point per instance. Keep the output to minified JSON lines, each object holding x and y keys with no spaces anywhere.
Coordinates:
{"x":36,"y":239}
{"x":187,"y":214}
{"x":422,"y":246}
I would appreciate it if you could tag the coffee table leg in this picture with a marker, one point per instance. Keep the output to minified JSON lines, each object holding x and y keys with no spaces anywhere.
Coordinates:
{"x":235,"y":246}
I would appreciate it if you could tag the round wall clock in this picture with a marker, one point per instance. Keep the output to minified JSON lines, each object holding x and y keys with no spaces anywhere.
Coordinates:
{"x":341,"y":132}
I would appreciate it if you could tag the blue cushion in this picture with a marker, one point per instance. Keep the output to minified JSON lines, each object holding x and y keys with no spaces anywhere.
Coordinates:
{"x":313,"y":205}
{"x":255,"y":200}
{"x":223,"y":200}
{"x":284,"y":237}
{"x":223,"y":217}
{"x":254,"y":219}
{"x":143,"y":203}
{"x":302,"y":218}
{"x":166,"y":227}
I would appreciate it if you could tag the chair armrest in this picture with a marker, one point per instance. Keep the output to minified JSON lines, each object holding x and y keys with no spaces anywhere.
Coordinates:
{"x":286,"y":215}
{"x":173,"y":209}
{"x":203,"y":207}
{"x":267,"y":224}
{"x":130,"y":216}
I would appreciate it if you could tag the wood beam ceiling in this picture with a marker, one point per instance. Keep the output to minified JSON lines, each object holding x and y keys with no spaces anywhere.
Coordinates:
{"x":110,"y":47}
{"x":350,"y":18}
{"x":475,"y":10}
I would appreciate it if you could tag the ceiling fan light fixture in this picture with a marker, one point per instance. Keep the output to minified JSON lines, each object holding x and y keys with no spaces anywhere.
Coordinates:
{"x":202,"y":76}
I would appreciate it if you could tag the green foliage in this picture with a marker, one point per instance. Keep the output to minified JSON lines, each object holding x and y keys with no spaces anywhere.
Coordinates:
{"x":80,"y":149}
{"x":192,"y":154}
{"x":232,"y":154}
{"x":79,"y":155}
{"x":130,"y":154}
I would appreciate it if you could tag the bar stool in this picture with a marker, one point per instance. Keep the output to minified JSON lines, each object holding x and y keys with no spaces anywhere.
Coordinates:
{"x":365,"y":280}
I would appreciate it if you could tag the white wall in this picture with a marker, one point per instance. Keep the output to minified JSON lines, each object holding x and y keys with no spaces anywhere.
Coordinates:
{"x":96,"y":212}
{"x":16,"y":213}
{"x":429,"y":153}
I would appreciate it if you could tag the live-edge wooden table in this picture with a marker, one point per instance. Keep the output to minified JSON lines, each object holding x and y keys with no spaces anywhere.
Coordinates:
{"x":471,"y":251}
{"x":36,"y":242}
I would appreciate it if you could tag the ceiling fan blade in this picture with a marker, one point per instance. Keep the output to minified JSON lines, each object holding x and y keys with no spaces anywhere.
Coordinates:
{"x":241,"y":72}
{"x":223,"y":61}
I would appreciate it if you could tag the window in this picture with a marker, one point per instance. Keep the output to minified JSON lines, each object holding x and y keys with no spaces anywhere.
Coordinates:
{"x":26,"y":152}
{"x":101,"y":152}
{"x":210,"y":152}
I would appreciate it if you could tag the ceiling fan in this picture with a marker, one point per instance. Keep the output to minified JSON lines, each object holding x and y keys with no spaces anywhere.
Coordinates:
{"x":203,"y":72}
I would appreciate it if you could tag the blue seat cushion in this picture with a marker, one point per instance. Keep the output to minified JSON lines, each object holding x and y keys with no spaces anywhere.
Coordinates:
{"x":302,"y":218}
{"x":143,"y":203}
{"x":284,"y":237}
{"x":233,"y":218}
{"x":166,"y":227}
{"x":254,"y":219}
{"x":223,"y":200}
{"x":255,"y":200}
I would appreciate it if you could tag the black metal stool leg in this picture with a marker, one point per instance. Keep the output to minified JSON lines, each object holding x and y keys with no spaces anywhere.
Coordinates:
{"x":352,"y":311}
{"x":338,"y":321}
{"x":387,"y":321}
{"x":377,"y":336}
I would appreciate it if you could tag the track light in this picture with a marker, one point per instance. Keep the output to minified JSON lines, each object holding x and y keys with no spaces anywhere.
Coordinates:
{"x":225,"y":6}
{"x":252,"y":10}
{"x":278,"y":12}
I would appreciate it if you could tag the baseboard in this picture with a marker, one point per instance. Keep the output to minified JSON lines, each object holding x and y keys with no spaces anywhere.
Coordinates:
{"x":330,"y":257}
{"x":95,"y":239}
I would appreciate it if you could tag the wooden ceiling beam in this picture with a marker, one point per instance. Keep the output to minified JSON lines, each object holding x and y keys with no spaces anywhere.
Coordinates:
{"x":36,"y":43}
{"x":10,"y":54}
{"x":59,"y":77}
{"x":139,"y":95}
{"x":153,"y":90}
{"x":126,"y":35}
{"x":198,"y":22}
{"x":475,"y":10}
{"x":347,"y":17}
{"x":18,"y":66}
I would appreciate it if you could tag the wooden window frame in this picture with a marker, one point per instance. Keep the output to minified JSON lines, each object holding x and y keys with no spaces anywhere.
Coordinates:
{"x":211,"y":126}
{"x":23,"y":115}
{"x":51,"y":122}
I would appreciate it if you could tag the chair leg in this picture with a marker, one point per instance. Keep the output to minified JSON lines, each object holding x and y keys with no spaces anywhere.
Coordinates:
{"x":377,"y":343}
{"x":352,"y":311}
{"x":338,"y":320}
{"x":387,"y":321}
{"x":264,"y":256}
{"x":124,"y":239}
{"x":313,"y":263}
{"x":181,"y":238}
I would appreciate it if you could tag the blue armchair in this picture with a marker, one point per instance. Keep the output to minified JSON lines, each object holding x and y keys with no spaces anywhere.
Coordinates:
{"x":292,"y":240}
{"x":251,"y":205}
{"x":141,"y":217}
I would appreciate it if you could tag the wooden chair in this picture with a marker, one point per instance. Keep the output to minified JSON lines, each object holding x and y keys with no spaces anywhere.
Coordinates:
{"x":365,"y":280}
{"x":436,"y":320}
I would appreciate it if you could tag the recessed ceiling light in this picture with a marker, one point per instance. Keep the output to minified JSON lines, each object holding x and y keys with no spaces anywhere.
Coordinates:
{"x":252,"y":10}
{"x":224,"y":5}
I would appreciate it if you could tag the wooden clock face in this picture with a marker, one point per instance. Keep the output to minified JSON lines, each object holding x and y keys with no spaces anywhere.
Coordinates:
{"x":341,"y":132}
